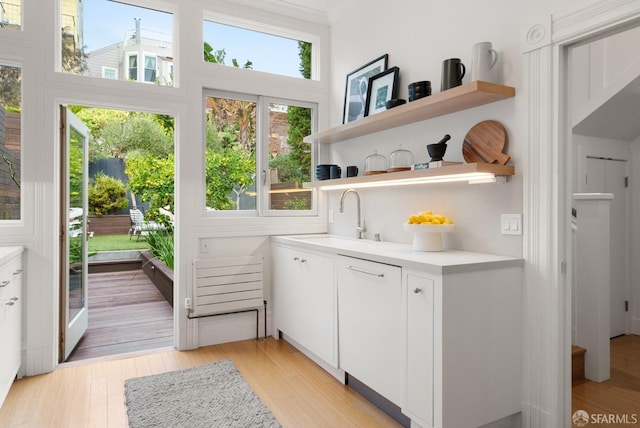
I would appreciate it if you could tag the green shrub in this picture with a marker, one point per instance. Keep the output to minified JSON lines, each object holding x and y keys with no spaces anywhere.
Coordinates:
{"x":107,"y":195}
{"x":161,"y":246}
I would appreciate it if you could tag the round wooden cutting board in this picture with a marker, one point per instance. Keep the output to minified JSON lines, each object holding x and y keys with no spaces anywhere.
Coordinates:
{"x":485,"y":142}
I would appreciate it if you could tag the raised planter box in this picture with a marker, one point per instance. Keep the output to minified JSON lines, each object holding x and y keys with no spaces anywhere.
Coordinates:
{"x":159,"y":274}
{"x":109,"y":224}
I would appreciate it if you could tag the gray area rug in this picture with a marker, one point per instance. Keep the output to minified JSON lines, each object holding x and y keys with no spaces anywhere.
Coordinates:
{"x":211,"y":396}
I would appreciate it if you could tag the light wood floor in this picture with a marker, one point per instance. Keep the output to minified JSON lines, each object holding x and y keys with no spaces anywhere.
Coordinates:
{"x":297,"y":391}
{"x":127,"y":313}
{"x":620,"y":395}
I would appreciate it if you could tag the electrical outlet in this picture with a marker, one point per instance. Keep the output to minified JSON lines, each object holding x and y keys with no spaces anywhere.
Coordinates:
{"x":331,"y":219}
{"x":511,"y":224}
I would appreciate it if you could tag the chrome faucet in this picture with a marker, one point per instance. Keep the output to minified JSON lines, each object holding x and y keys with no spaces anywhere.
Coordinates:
{"x":360,"y":228}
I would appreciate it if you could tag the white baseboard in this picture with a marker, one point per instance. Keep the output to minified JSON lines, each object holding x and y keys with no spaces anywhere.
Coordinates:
{"x":635,"y":326}
{"x":232,"y":328}
{"x":335,"y":372}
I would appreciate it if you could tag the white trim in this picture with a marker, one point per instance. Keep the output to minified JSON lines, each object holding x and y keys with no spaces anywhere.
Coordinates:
{"x":547,"y":198}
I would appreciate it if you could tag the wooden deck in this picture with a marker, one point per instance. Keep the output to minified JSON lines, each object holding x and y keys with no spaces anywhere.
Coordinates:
{"x":126,"y":314}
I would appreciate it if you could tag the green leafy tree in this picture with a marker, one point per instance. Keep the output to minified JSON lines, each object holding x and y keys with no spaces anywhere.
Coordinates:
{"x":107,"y":195}
{"x":218,"y":57}
{"x":10,"y":85}
{"x":152,"y":178}
{"x":229,"y":172}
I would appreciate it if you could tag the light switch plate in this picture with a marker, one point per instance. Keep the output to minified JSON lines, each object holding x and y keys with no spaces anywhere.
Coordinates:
{"x":511,"y":224}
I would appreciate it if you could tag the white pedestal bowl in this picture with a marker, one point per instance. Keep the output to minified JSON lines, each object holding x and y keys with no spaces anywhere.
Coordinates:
{"x":428,"y":237}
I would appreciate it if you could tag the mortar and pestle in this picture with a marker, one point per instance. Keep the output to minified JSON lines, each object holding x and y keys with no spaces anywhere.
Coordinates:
{"x":437,"y":150}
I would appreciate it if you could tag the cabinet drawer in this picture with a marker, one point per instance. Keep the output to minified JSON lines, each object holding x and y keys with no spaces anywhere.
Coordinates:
{"x":10,"y":274}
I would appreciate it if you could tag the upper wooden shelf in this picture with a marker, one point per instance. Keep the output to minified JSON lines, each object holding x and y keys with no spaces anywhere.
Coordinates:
{"x":443,"y":174}
{"x":456,"y":99}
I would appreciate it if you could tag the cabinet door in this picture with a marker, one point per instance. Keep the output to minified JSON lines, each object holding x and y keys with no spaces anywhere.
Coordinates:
{"x":370,"y":324}
{"x":10,"y":324}
{"x":419,"y":352}
{"x":304,"y":296}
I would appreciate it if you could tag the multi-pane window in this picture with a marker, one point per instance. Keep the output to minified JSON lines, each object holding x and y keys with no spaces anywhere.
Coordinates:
{"x":10,"y":142}
{"x":256,"y":161}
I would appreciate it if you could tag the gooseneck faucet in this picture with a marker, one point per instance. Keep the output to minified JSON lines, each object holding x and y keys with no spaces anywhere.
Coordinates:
{"x":360,"y":229}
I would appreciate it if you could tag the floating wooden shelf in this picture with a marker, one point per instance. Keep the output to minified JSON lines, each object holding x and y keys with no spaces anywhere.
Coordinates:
{"x":456,"y":99}
{"x":407,"y":177}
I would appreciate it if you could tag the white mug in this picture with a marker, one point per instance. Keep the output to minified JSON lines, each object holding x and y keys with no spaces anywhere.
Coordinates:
{"x":484,"y":59}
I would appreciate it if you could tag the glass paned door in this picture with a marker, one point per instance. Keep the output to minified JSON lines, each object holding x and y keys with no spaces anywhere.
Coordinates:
{"x":74,"y":313}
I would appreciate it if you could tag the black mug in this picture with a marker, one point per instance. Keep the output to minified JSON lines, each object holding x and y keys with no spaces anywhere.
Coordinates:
{"x":335,"y":171}
{"x":452,"y":73}
{"x":352,"y":171}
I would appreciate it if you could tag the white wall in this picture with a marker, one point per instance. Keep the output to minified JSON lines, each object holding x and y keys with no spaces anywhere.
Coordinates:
{"x":635,"y":236}
{"x":418,"y":36}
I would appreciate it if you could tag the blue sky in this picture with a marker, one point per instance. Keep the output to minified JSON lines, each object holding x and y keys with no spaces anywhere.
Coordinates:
{"x":107,"y":22}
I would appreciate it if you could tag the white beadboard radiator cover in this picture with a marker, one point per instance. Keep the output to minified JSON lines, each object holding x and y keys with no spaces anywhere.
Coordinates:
{"x":227,"y":285}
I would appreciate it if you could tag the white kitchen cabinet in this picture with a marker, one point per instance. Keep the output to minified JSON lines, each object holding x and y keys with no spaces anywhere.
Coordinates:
{"x":462,"y":365}
{"x":304,"y":301}
{"x":439,"y":334}
{"x":10,"y":316}
{"x":418,"y":367}
{"x":370,"y":324}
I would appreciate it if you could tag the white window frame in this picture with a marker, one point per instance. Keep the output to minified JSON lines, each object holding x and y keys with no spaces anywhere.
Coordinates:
{"x":129,"y":55}
{"x":113,"y":69}
{"x":273,"y":30}
{"x":264,"y":159}
{"x":263,"y":182}
{"x":144,"y":69}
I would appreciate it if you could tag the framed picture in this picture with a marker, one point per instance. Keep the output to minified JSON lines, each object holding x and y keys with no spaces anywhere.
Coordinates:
{"x":355,"y":94}
{"x":382,"y":87}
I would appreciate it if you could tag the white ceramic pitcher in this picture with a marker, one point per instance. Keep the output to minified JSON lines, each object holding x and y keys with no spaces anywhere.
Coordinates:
{"x":483,"y":65}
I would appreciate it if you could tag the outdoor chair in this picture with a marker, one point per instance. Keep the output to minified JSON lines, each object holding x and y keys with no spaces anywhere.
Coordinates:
{"x":140,"y":226}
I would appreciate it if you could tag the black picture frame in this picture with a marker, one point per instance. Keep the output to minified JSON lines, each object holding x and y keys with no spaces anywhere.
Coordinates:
{"x":355,"y":93}
{"x":381,"y":88}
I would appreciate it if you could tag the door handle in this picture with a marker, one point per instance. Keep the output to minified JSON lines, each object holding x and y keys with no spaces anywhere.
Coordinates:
{"x":366,"y":272}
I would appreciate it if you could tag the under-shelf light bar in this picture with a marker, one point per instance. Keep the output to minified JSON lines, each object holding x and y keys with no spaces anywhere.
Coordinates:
{"x":471,"y":177}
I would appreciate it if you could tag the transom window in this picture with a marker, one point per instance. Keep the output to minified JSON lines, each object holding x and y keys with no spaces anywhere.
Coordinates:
{"x":240,"y":47}
{"x":99,"y":34}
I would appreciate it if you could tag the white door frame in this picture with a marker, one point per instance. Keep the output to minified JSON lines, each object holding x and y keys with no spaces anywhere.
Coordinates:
{"x":547,"y":206}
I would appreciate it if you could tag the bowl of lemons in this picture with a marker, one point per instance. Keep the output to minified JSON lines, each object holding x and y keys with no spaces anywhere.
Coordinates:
{"x":427,"y":229}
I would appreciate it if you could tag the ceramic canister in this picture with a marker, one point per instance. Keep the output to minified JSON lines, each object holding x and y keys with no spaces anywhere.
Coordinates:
{"x":483,"y":62}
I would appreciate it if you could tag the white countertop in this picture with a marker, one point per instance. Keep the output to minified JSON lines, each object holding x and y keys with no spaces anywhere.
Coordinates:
{"x":441,"y":262}
{"x":7,"y":253}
